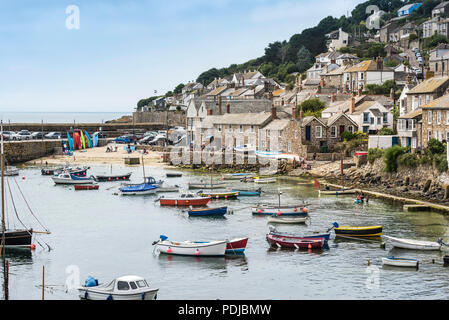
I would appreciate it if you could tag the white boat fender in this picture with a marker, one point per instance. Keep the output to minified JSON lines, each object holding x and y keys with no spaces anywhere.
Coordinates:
{"x":279,"y":246}
{"x":296,"y":246}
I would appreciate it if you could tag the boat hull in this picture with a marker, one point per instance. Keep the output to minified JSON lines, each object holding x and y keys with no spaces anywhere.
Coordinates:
{"x":414,"y":244}
{"x":246,"y":193}
{"x":93,"y":294}
{"x":290,"y":220}
{"x":17,"y":238}
{"x":87,"y":187}
{"x":264,"y":181}
{"x":238,"y":176}
{"x":221,"y":195}
{"x":336,"y":192}
{"x":109,"y":178}
{"x":208,"y":212}
{"x":295,"y":243}
{"x":284,"y":211}
{"x":198,"y":249}
{"x":324,"y":236}
{"x":371,"y":231}
{"x":206,"y":186}
{"x":400,"y":262}
{"x":58,"y":180}
{"x":184,"y":202}
{"x":236,"y":246}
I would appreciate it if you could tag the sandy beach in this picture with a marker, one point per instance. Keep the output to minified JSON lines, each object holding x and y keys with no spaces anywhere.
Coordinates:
{"x":100,"y":156}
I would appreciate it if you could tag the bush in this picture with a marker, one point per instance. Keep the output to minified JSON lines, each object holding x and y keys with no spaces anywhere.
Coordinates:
{"x":385,"y":132}
{"x":348,"y":136}
{"x":408,"y":160}
{"x":442,"y":166}
{"x":374,"y":154}
{"x":434,"y":146}
{"x":391,"y":156}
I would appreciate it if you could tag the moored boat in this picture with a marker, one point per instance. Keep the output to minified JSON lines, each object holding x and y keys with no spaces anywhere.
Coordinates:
{"x":219,"y":185}
{"x":238,"y":176}
{"x":337,"y":192}
{"x":317,"y":235}
{"x":220,"y":195}
{"x":138,"y":189}
{"x":110,"y":177}
{"x":294,"y":210}
{"x":123,"y":288}
{"x":287,"y":220}
{"x":184,"y":199}
{"x":11,"y":171}
{"x":236,"y":246}
{"x":264,"y":180}
{"x":67,"y":178}
{"x":400,"y":262}
{"x":415,"y":244}
{"x":358,"y":231}
{"x":173,"y":175}
{"x":86,"y":186}
{"x":168,"y":189}
{"x":248,"y":193}
{"x":191,"y":248}
{"x":208,"y":212}
{"x":284,"y":242}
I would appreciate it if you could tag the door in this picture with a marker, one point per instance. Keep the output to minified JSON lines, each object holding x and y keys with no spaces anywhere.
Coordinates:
{"x":307,"y":133}
{"x":342,"y":129}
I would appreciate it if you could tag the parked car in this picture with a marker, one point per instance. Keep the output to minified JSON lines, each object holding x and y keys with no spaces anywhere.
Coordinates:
{"x":53,"y":135}
{"x":146,"y":139}
{"x":37,"y":135}
{"x":159,"y":139}
{"x":8,"y":135}
{"x":415,"y":50}
{"x":127,"y":138}
{"x":23,"y":135}
{"x":149,"y":133}
{"x":175,"y":133}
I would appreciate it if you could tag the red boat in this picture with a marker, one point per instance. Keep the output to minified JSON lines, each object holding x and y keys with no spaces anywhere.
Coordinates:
{"x":236,"y":245}
{"x":86,"y":187}
{"x":188,"y":199}
{"x":285,"y":242}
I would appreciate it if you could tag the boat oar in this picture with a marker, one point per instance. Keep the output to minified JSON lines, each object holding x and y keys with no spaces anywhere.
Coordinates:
{"x":157,"y":199}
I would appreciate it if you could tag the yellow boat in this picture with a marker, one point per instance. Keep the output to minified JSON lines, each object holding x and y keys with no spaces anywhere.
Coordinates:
{"x":366,"y":231}
{"x":220,"y":195}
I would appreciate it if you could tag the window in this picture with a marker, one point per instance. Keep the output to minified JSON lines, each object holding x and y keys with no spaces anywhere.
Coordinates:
{"x":351,"y":129}
{"x":230,"y":128}
{"x":365,"y":129}
{"x":385,"y":117}
{"x":252,"y":129}
{"x":219,"y":128}
{"x":438,"y":117}
{"x":447,"y":135}
{"x":122,"y":285}
{"x":372,"y":120}
{"x":379,"y":120}
{"x":429,"y":135}
{"x":289,"y":147}
{"x":296,"y":134}
{"x":333,"y":132}
{"x":366,"y":117}
{"x":436,"y":67}
{"x":429,"y":117}
{"x":240,"y":128}
{"x":141,"y":284}
{"x":318,"y":132}
{"x":133,"y":285}
{"x":280,"y":133}
{"x":447,"y":117}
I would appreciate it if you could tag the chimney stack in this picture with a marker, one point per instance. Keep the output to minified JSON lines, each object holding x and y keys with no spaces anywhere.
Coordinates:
{"x":273,"y":112}
{"x":219,"y":106}
{"x":333,"y":97}
{"x":228,"y":108}
{"x":210,"y":112}
{"x":294,"y":113}
{"x":352,"y":105}
{"x":392,"y":94}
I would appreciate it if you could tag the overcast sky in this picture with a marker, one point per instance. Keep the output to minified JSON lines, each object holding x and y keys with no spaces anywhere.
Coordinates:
{"x":124,"y":50}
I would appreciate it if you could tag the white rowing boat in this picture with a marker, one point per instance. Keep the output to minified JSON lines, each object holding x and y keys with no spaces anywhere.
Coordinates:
{"x":265,"y":180}
{"x":66,"y":178}
{"x":414,"y":244}
{"x":192,"y":248}
{"x":287,"y":220}
{"x":400,"y":262}
{"x":336,"y":192}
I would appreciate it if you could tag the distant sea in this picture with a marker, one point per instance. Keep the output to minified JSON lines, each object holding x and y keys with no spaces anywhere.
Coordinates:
{"x":60,"y":117}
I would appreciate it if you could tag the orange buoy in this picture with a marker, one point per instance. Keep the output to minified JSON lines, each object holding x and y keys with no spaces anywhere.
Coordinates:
{"x":197,"y":252}
{"x":304,"y":210}
{"x":278,"y":213}
{"x":309,"y":246}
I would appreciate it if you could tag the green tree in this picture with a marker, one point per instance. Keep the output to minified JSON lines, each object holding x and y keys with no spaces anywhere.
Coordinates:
{"x":391,"y":156}
{"x":312,"y":107}
{"x":435,"y":147}
{"x":179,"y":88}
{"x":303,"y":59}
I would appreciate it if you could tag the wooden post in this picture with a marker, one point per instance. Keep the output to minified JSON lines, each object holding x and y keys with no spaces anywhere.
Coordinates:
{"x":6,"y":266}
{"x":341,"y":170}
{"x":43,"y":282}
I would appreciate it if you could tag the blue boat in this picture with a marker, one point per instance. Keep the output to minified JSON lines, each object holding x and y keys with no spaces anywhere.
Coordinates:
{"x":138,"y":189}
{"x":248,"y":193}
{"x":208,"y":212}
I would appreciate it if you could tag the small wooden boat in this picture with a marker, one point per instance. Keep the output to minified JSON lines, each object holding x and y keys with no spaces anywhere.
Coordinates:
{"x":264,"y":180}
{"x":51,"y":171}
{"x":173,"y":175}
{"x":287,"y":220}
{"x":283,"y":242}
{"x":400,"y":262}
{"x":248,"y":193}
{"x":67,"y":178}
{"x":86,"y":186}
{"x":220,"y":195}
{"x":123,"y":288}
{"x":363,"y":231}
{"x":299,"y":210}
{"x":208,"y":212}
{"x":184,"y":199}
{"x":17,"y":238}
{"x":238,"y":176}
{"x":220,"y":185}
{"x":415,"y":244}
{"x":336,"y":192}
{"x":191,"y":248}
{"x":325,"y":236}
{"x":109,"y":178}
{"x":236,"y":246}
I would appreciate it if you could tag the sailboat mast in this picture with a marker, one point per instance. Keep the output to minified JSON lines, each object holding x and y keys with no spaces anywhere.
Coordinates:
{"x":2,"y":159}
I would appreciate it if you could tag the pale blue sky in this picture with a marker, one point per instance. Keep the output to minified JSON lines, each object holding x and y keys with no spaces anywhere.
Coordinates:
{"x":124,"y":50}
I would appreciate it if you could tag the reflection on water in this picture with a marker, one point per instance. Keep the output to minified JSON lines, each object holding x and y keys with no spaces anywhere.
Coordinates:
{"x":106,"y":235}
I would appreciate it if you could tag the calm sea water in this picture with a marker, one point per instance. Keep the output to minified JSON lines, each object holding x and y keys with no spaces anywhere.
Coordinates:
{"x":107,"y":235}
{"x":60,"y":117}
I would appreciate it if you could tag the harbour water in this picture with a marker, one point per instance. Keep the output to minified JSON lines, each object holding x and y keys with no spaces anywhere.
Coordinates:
{"x":60,"y":117}
{"x":107,"y":235}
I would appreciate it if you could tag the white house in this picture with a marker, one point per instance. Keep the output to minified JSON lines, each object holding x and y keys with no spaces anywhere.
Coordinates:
{"x":339,"y":39}
{"x":371,"y":116}
{"x":367,"y":72}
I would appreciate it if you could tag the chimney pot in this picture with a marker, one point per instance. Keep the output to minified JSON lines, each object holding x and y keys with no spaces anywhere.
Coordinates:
{"x":352,"y":106}
{"x":273,"y":112}
{"x":294,"y":113}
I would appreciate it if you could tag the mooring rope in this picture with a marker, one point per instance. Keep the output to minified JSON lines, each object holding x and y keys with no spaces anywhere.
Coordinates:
{"x":32,"y":213}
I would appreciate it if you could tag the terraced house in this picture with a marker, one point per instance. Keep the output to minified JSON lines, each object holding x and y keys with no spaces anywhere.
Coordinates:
{"x":435,"y":120}
{"x":367,"y":72}
{"x":426,"y":92}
